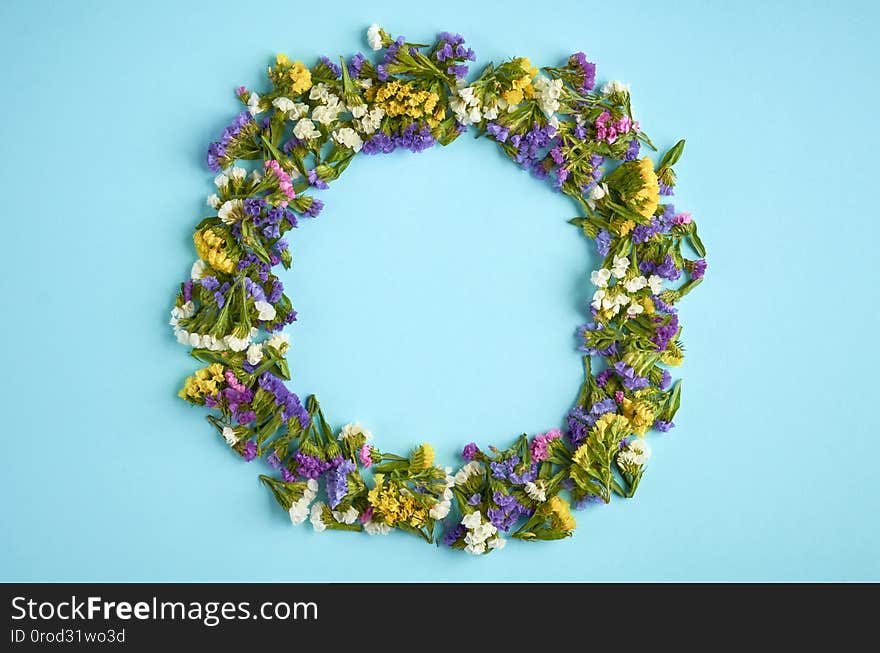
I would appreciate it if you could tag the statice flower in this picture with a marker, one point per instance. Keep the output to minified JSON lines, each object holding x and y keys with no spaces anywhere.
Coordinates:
{"x":469,"y":450}
{"x":630,"y":380}
{"x":250,"y":450}
{"x":454,"y":534}
{"x":337,"y":482}
{"x":603,"y":242}
{"x":663,"y":426}
{"x":699,"y":269}
{"x":663,"y":333}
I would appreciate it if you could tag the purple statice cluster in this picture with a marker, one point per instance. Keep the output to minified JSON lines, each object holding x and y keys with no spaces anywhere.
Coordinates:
{"x":237,"y":397}
{"x":289,"y":401}
{"x":532,"y":147}
{"x":250,"y":450}
{"x":580,"y":421}
{"x":413,"y":137}
{"x":629,"y":378}
{"x":587,"y":500}
{"x":603,"y":377}
{"x":469,"y":451}
{"x":586,"y":71}
{"x":699,"y":269}
{"x":309,"y":466}
{"x":451,"y":47}
{"x":313,"y":210}
{"x":663,"y":426}
{"x":498,"y":132}
{"x":269,"y":218}
{"x":316,"y":181}
{"x":596,"y":162}
{"x":390,"y":57}
{"x":659,"y":224}
{"x":335,"y":70}
{"x":666,"y":269}
{"x":475,"y":499}
{"x":506,"y":470}
{"x":210,"y":283}
{"x":337,"y":482}
{"x":603,"y":242}
{"x":509,"y":510}
{"x":454,"y":534}
{"x":355,"y":64}
{"x":664,"y":331}
{"x":250,"y":261}
{"x":632,"y":151}
{"x":584,"y":330}
{"x":218,"y":149}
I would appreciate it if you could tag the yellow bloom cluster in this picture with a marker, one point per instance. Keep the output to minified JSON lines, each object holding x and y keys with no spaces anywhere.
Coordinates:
{"x":209,"y":247}
{"x":393,"y":506}
{"x":401,"y":99}
{"x":203,"y":382}
{"x":293,"y":73}
{"x":648,"y":196}
{"x":673,"y":356}
{"x":422,"y":458}
{"x":521,"y":87}
{"x":640,"y":414}
{"x":560,"y":512}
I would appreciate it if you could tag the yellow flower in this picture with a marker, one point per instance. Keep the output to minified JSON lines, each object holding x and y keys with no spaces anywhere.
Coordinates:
{"x":400,"y":99}
{"x":625,"y":227}
{"x":513,"y":96}
{"x":560,"y":512}
{"x":422,"y":458}
{"x":526,"y":67}
{"x":648,"y":305}
{"x":640,"y":415}
{"x":673,"y":356}
{"x":209,"y":247}
{"x":300,"y":77}
{"x":282,"y":59}
{"x":648,"y":197}
{"x":203,"y":382}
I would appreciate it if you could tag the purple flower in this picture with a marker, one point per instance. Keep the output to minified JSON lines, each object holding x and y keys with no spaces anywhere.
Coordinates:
{"x":314,"y":209}
{"x":665,"y":190}
{"x":337,"y":482}
{"x":665,"y":379}
{"x":454,"y":534}
{"x":316,"y":181}
{"x":663,"y":426}
{"x":250,"y":450}
{"x":587,"y":71}
{"x":469,"y":450}
{"x":667,"y":269}
{"x":379,"y":143}
{"x":699,"y":269}
{"x":587,"y":500}
{"x":273,"y":460}
{"x":382,"y":72}
{"x":665,"y":332}
{"x":474,"y":499}
{"x":355,"y":65}
{"x":335,"y":69}
{"x":500,"y":133}
{"x":309,"y":466}
{"x":629,"y":378}
{"x":287,"y":476}
{"x":603,"y":242}
{"x":632,"y":152}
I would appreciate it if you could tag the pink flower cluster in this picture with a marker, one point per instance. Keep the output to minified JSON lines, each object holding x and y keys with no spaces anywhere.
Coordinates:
{"x":681,"y":218}
{"x":284,"y":182}
{"x":608,"y":130}
{"x":364,"y":455}
{"x":539,"y":444}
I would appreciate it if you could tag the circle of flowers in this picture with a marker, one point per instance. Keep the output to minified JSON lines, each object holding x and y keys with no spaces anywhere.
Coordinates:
{"x":297,"y":138}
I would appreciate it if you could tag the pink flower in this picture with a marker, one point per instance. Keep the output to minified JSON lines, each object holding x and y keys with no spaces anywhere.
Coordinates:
{"x":367,"y":515}
{"x":364,"y":455}
{"x":553,"y":434}
{"x":241,"y":90}
{"x":618,"y":396}
{"x":682,"y":218}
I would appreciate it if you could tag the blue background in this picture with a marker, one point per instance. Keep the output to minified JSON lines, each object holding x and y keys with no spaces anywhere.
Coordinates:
{"x":439,"y":293}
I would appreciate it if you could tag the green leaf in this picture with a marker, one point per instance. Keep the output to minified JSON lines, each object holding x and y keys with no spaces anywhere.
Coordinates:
{"x":672,"y":156}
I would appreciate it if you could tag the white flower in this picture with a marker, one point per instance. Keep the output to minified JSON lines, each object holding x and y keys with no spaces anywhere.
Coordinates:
{"x":376,"y":528}
{"x":221,"y":181}
{"x":472,"y":520}
{"x":483,"y":532}
{"x":619,"y":266}
{"x":497,"y":543}
{"x":351,"y":430}
{"x":238,"y":174}
{"x":635,"y":308}
{"x":305,"y":130}
{"x":358,"y":110}
{"x":621,"y":299}
{"x":636,"y":453}
{"x":253,"y":104}
{"x":490,"y":113}
{"x":371,"y":121}
{"x":213,"y":201}
{"x":349,"y":138}
{"x":255,"y":353}
{"x":311,"y":490}
{"x":604,"y":300}
{"x":256,"y":176}
{"x":327,"y":113}
{"x":601,"y":277}
{"x":635,"y":284}
{"x":235,"y":343}
{"x":265,"y":310}
{"x":230,"y":436}
{"x":347,"y":517}
{"x":615,"y":86}
{"x":279,"y":341}
{"x":291,"y":109}
{"x":549,"y":92}
{"x":536,"y":491}
{"x":231,"y":212}
{"x":476,"y":549}
{"x":440,"y":509}
{"x":463,"y":474}
{"x":365,"y":82}
{"x":596,"y":193}
{"x":315,"y":517}
{"x":374,"y":36}
{"x":655,"y":283}
{"x":299,"y":511}
{"x":320,"y":92}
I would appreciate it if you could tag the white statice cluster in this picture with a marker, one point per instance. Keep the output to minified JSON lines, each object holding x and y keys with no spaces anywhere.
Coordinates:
{"x":372,"y":527}
{"x":367,"y":121}
{"x":615,"y":87}
{"x":348,"y":516}
{"x":253,"y":104}
{"x":536,"y":490}
{"x":255,"y":353}
{"x":265,"y":310}
{"x":305,"y":130}
{"x":348,"y":137}
{"x":231,"y":211}
{"x":548,"y":93}
{"x":471,"y":469}
{"x":330,"y":105}
{"x":204,"y":340}
{"x":468,"y":108}
{"x":635,"y":454}
{"x":292,"y":110}
{"x":299,"y":511}
{"x":597,"y":192}
{"x":442,"y":507}
{"x":230,"y":436}
{"x":374,"y":37}
{"x":221,"y":181}
{"x":480,"y":534}
{"x":606,"y":299}
{"x":279,"y":341}
{"x":351,"y":430}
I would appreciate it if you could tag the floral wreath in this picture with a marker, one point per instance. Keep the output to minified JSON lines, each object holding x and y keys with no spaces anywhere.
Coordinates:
{"x":556,"y":124}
